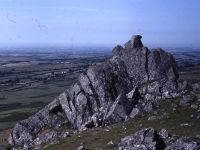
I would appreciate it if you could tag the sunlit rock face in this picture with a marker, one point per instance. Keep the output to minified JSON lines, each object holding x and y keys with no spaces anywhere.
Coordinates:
{"x":127,"y":85}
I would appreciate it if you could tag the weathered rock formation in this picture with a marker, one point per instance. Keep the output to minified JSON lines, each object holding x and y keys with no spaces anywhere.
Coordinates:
{"x":150,"y":139}
{"x":125,"y":86}
{"x":145,"y":139}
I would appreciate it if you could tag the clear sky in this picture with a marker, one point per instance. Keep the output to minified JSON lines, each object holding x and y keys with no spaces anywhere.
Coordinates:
{"x":91,"y":22}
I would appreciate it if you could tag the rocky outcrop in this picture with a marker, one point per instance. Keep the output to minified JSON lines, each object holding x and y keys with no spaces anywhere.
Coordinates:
{"x":185,"y":144}
{"x":125,"y":86}
{"x":135,"y":42}
{"x":145,"y":139}
{"x":150,"y":139}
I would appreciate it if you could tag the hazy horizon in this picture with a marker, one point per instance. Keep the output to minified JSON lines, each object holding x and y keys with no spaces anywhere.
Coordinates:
{"x":172,"y":23}
{"x":89,"y":48}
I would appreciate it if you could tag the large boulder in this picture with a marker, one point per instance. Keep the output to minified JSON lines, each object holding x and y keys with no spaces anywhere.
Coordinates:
{"x":150,"y":139}
{"x":183,"y":143}
{"x":145,"y":139}
{"x":134,"y":42}
{"x":126,"y":85}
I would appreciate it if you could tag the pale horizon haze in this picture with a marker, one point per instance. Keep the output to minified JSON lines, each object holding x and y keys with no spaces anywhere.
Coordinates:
{"x":99,"y":22}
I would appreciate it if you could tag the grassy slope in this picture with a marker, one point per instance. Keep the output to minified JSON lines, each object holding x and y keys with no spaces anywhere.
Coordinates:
{"x":99,"y":137}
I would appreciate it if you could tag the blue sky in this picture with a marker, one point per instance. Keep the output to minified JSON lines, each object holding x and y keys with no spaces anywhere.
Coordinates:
{"x":98,"y":22}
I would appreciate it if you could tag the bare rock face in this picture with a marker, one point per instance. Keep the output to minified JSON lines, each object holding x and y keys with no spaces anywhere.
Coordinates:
{"x":145,"y":139}
{"x":125,"y":86}
{"x":185,"y":144}
{"x":135,"y":42}
{"x":149,"y":139}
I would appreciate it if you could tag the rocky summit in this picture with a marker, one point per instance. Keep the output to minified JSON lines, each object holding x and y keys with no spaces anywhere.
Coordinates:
{"x":127,"y":85}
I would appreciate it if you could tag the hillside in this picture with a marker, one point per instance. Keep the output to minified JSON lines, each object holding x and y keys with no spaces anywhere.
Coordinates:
{"x":135,"y":88}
